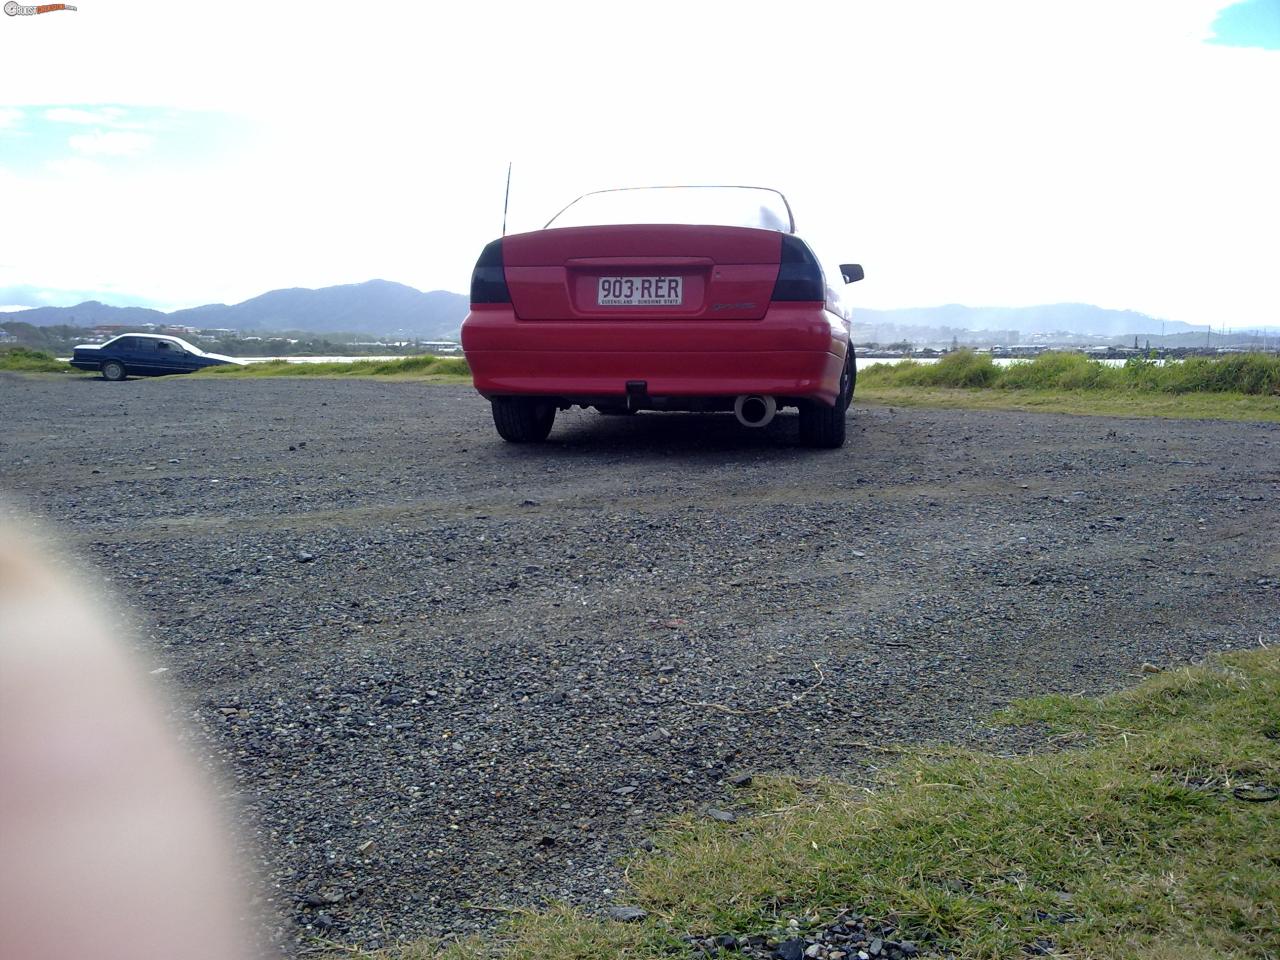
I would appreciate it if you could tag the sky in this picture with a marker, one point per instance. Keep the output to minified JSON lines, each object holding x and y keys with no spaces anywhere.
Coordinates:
{"x":992,"y":153}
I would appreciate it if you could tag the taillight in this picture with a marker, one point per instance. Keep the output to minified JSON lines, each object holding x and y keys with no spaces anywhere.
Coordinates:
{"x":799,"y":276}
{"x":488,"y":280}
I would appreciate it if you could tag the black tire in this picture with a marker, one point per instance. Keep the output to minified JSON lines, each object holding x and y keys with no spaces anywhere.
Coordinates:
{"x":523,"y":419}
{"x":114,"y":370}
{"x":823,"y":426}
{"x":852,"y":363}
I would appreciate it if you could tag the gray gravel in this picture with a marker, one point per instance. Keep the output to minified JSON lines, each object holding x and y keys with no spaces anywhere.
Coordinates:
{"x":441,"y":672}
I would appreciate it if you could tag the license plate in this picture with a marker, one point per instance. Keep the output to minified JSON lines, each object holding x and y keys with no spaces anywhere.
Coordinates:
{"x":640,"y":291}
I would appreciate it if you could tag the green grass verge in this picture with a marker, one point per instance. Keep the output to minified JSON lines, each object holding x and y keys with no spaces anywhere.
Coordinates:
{"x":1246,"y":373}
{"x":1136,"y":840}
{"x":23,"y":360}
{"x":1104,"y":403}
{"x":1238,"y":387}
{"x":420,"y":366}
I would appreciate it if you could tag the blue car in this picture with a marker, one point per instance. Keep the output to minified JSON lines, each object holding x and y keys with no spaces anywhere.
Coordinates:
{"x":144,"y":355}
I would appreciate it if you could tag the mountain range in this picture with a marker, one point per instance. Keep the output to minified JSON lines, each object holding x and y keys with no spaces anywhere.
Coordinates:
{"x":384,"y":308}
{"x":1080,"y":318}
{"x":375,"y":307}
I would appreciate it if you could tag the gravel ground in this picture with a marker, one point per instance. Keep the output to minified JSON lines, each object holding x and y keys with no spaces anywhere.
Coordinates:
{"x":440,"y":672}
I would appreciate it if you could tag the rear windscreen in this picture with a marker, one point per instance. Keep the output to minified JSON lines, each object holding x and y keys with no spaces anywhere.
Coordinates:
{"x":712,"y":206}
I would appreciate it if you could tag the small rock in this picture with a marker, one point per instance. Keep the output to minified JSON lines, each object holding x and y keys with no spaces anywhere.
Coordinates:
{"x":741,"y":780}
{"x":627,"y":914}
{"x":875,"y":947}
{"x":623,"y":791}
{"x":790,"y":950}
{"x":1151,"y":668}
{"x":365,"y":847}
{"x":813,"y":951}
{"x":304,"y":557}
{"x":724,"y":816}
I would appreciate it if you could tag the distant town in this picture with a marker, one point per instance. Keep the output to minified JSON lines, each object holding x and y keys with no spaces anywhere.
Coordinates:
{"x":1141,"y":347}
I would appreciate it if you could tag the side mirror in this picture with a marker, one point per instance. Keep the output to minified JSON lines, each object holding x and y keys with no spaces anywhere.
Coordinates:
{"x":852,"y":272}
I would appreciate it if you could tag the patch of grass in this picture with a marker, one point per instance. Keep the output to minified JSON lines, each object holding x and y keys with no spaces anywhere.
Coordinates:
{"x":964,"y":368}
{"x":1065,"y":371}
{"x":1104,"y":403}
{"x":1254,"y":374}
{"x":24,"y":360}
{"x":1131,"y":844}
{"x":419,"y":366}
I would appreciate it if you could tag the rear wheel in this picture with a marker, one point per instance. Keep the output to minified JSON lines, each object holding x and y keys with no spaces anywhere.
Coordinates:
{"x":113,"y":370}
{"x":823,"y":426}
{"x":523,"y":419}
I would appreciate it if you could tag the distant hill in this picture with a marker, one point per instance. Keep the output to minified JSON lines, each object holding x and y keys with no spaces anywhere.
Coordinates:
{"x":1080,"y":318}
{"x":376,"y":307}
{"x":87,"y":314}
{"x":383,"y":308}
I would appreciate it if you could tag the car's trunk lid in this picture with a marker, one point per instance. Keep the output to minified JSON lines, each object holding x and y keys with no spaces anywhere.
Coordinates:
{"x":642,"y":272}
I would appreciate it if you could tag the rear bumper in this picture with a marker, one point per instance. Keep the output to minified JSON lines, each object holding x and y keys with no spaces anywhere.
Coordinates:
{"x":795,"y":352}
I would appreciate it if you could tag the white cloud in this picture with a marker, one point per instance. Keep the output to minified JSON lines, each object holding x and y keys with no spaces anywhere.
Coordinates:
{"x":100,"y":117}
{"x":112,"y":143}
{"x":70,"y":169}
{"x":9,"y":117}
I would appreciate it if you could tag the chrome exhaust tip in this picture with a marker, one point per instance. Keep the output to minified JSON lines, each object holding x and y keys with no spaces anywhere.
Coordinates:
{"x":753,"y":410}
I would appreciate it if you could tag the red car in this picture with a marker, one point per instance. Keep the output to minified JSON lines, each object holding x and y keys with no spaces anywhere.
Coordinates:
{"x":662,"y":298}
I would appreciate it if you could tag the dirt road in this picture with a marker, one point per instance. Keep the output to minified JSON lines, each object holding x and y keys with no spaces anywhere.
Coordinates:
{"x":440,"y":671}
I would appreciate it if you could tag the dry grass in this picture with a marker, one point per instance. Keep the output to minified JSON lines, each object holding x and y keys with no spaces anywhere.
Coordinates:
{"x":1098,"y":403}
{"x":419,"y":367}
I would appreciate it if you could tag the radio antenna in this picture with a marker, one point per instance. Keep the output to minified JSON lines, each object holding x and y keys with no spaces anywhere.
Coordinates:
{"x":506,"y":200}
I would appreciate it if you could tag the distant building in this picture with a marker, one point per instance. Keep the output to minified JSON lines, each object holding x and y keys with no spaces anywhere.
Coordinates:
{"x":441,"y":346}
{"x":111,"y":329}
